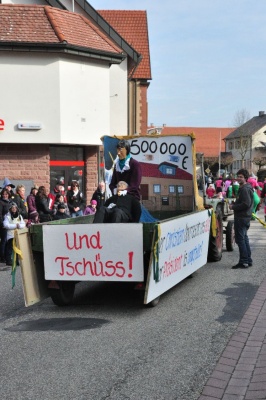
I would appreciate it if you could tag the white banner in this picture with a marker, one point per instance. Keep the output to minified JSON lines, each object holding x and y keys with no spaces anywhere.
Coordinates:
{"x":180,"y":248}
{"x":93,"y":252}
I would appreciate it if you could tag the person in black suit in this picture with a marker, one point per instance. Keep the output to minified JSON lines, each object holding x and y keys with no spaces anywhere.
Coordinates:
{"x":121,"y":207}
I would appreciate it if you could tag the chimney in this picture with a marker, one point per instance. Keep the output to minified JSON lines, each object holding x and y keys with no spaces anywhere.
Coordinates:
{"x":261,"y":113}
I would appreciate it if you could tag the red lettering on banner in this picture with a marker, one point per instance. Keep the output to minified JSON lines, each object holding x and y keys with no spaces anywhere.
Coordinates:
{"x":171,"y":266}
{"x":96,"y":267}
{"x":130,"y":256}
{"x":111,"y":266}
{"x":119,"y":265}
{"x":80,"y":241}
{"x":2,"y":125}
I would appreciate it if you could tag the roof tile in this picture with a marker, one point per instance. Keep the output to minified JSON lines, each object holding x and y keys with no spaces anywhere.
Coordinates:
{"x":207,"y":139}
{"x":45,"y":24}
{"x":133,"y":27}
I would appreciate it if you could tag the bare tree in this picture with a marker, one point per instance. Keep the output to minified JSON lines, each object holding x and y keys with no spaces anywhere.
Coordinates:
{"x":240,"y":117}
{"x":260,"y":159}
{"x":227,"y":160}
{"x":243,"y":141}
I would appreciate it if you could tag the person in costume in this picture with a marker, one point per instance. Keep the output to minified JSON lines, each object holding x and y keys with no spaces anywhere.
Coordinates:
{"x":126,"y":169}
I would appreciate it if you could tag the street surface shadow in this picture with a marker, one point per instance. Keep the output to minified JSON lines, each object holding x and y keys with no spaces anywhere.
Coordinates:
{"x":108,"y":294}
{"x":58,"y":324}
{"x":238,"y":299}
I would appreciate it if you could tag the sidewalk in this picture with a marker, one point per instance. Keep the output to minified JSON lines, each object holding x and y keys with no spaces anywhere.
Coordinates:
{"x":240,"y":373}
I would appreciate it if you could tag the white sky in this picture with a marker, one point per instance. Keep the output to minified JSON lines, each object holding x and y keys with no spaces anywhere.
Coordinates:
{"x":208,"y":59}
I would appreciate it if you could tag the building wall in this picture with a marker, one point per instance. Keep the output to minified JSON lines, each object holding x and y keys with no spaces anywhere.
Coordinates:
{"x":91,"y":170}
{"x":250,"y":154}
{"x":24,"y":161}
{"x":31,"y":162}
{"x":69,"y":97}
{"x":143,"y":107}
{"x":138,"y":107}
{"x":118,"y":98}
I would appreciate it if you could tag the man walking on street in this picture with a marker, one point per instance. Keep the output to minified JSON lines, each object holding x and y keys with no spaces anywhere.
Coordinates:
{"x":242,"y":216}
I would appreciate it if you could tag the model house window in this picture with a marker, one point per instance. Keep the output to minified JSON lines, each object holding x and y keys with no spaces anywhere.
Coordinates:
{"x":167,"y":169}
{"x":180,"y":189}
{"x":171,"y":189}
{"x":170,"y":171}
{"x":156,"y":188}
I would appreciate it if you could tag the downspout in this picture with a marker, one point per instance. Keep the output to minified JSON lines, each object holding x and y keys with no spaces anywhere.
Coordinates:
{"x":134,"y":100}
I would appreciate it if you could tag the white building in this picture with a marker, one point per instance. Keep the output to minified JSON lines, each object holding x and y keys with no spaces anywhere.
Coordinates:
{"x":247,"y":144}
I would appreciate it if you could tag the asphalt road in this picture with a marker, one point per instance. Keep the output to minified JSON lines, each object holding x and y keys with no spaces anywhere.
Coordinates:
{"x":108,"y":345}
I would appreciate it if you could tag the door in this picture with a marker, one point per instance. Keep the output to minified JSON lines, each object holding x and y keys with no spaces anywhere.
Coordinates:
{"x":66,"y":165}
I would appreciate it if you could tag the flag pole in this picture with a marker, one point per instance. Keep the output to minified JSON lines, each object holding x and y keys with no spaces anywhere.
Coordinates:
{"x":219,"y":154}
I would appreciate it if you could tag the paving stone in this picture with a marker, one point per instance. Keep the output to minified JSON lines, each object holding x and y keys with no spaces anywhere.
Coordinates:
{"x":254,"y":395}
{"x":221,"y":375}
{"x":241,"y":390}
{"x":211,"y":391}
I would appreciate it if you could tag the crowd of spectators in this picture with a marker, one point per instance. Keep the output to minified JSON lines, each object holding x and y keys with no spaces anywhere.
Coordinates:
{"x":227,"y":188}
{"x":18,"y":210}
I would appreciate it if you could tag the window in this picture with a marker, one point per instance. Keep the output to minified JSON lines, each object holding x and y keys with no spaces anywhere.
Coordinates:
{"x":180,"y":189}
{"x":231,"y":145}
{"x":167,"y":169}
{"x":170,"y":171}
{"x":156,"y":188}
{"x":171,"y":189}
{"x":238,"y":144}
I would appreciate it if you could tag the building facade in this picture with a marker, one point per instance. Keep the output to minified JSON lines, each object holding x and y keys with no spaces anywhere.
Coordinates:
{"x":247,"y":144}
{"x":64,"y":84}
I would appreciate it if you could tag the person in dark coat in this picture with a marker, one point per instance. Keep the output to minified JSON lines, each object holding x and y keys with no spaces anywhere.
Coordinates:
{"x":9,"y":186}
{"x":21,"y":201}
{"x":61,"y":212}
{"x":242,"y":215}
{"x":5,"y":200}
{"x":42,"y":205}
{"x":99,"y":195}
{"x":75,"y":201}
{"x":126,"y":169}
{"x":122,"y":207}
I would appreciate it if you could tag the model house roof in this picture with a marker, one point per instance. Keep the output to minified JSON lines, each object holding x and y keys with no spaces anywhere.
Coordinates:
{"x":133,"y":26}
{"x":153,"y":171}
{"x":208,"y":140}
{"x":34,"y":25}
{"x":250,"y":127}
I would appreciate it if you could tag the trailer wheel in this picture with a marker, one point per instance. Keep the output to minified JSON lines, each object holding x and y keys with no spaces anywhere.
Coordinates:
{"x":230,"y":236}
{"x":216,"y":243}
{"x":154,"y":302}
{"x":64,"y":295}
